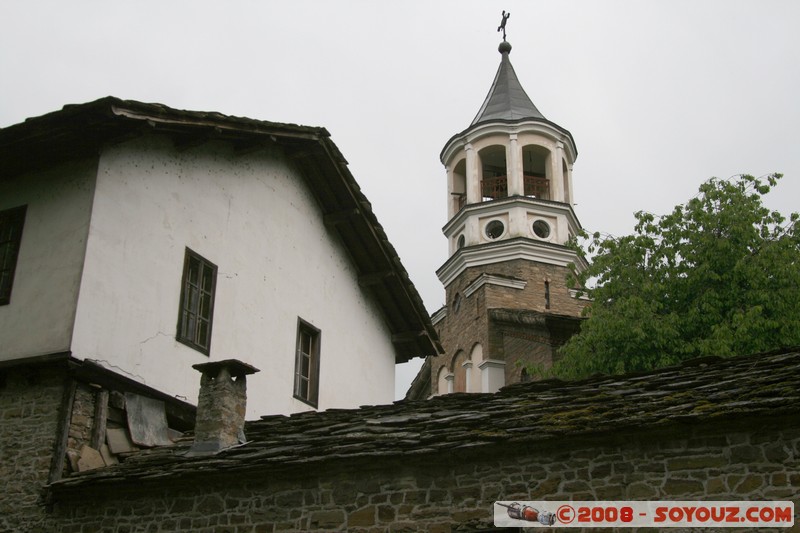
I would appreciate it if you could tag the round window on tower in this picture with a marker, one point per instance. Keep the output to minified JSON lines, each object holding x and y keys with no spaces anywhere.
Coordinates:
{"x":461,"y":241}
{"x":541,"y":229}
{"x":495,"y":229}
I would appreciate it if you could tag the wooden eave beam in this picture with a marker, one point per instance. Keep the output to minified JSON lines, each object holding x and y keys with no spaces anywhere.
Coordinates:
{"x":187,"y":142}
{"x":407,"y":336}
{"x":248,"y":146}
{"x":375,"y":278}
{"x":339,"y":217}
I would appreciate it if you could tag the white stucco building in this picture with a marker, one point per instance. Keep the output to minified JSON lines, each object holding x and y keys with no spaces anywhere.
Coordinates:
{"x":142,"y":240}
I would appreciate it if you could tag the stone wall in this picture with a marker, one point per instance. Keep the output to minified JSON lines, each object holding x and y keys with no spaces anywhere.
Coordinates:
{"x":532,"y":297}
{"x":454,"y":490}
{"x":81,"y":423}
{"x":30,"y":400}
{"x":519,"y":345}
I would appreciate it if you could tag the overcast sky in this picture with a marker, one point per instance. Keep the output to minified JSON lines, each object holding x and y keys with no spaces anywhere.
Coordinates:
{"x":659,"y":95}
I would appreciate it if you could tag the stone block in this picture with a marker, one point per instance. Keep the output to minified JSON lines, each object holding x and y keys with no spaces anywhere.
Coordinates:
{"x":749,"y":484}
{"x":415,"y":496}
{"x":682,"y":487}
{"x":386,"y":513}
{"x":108,"y":457}
{"x":327,"y":519}
{"x":715,"y":485}
{"x":90,"y":459}
{"x":546,"y":487}
{"x":777,"y":452}
{"x":696,"y":462}
{"x":362,"y":517}
{"x":600,"y":470}
{"x":610,"y":492}
{"x":403,"y":527}
{"x":119,"y":441}
{"x":641,"y":491}
{"x":746,"y":454}
{"x":472,"y":514}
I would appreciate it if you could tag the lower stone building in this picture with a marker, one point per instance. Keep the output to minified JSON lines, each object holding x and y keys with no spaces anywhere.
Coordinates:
{"x":710,"y":429}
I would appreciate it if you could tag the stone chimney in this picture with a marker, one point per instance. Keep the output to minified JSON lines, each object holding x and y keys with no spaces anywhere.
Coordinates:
{"x":221,"y":406}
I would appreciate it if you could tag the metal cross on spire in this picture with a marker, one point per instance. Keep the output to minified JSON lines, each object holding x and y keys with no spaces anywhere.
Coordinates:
{"x":502,"y":25}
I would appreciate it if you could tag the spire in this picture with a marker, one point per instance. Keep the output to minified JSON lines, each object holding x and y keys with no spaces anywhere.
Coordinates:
{"x":506,"y":99}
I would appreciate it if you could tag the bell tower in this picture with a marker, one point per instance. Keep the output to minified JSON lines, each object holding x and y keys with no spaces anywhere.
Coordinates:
{"x":510,"y":215}
{"x":509,"y":182}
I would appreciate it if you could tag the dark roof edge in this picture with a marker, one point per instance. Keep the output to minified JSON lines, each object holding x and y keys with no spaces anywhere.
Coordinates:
{"x":109,"y":106}
{"x":387,"y":248}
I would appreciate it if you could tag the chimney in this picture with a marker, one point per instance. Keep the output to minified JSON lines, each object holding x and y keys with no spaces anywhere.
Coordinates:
{"x":221,"y":406}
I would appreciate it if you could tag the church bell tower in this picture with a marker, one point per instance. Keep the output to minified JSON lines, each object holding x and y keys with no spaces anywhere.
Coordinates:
{"x":510,"y":215}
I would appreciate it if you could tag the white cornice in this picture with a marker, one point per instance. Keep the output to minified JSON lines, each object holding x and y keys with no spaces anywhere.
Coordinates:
{"x":574,"y":294}
{"x":544,"y":127}
{"x":527,"y":202}
{"x":507,"y":250}
{"x":438,"y":315}
{"x":491,"y":363}
{"x":489,"y":279}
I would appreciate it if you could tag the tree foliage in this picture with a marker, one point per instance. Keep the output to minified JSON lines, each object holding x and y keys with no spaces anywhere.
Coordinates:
{"x":720,"y":275}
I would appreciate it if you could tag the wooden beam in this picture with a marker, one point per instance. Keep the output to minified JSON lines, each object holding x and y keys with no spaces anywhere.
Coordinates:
{"x":407,"y":336}
{"x":241,"y":147}
{"x":62,"y":430}
{"x":187,"y":142}
{"x":100,"y":417}
{"x":375,"y":278}
{"x":338,"y":217}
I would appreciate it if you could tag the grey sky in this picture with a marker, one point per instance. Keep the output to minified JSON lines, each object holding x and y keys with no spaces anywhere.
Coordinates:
{"x":659,"y":95}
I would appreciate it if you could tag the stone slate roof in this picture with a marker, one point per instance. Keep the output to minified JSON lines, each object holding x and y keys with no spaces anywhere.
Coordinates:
{"x":507,"y":100}
{"x":83,"y":130}
{"x":697,"y":392}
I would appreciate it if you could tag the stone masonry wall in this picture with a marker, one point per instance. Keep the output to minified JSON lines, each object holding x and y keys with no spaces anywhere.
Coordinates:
{"x":461,"y":329}
{"x":81,"y":423}
{"x":30,"y":401}
{"x":532,"y":297}
{"x":454,"y":490}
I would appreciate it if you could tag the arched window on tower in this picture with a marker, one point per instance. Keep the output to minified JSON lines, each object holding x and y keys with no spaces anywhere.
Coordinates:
{"x":565,"y":171}
{"x":494,"y":176}
{"x":442,"y":386}
{"x":535,"y":174}
{"x":476,"y":357}
{"x":460,"y":372}
{"x":459,"y":192}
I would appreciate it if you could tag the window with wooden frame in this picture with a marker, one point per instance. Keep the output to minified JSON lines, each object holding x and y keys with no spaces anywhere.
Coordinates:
{"x":11,"y":222}
{"x":306,"y":366}
{"x":196,"y":312}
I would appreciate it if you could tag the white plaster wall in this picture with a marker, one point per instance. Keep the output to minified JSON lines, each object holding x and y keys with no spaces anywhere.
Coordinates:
{"x":39,"y":318}
{"x":255,"y":218}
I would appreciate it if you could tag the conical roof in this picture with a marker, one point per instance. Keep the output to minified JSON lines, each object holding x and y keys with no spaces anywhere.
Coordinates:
{"x":506,"y":100}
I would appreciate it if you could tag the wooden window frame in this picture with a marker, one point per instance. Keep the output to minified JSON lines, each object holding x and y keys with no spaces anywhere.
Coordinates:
{"x":12,"y":222}
{"x":306,"y":377}
{"x":191,"y":316}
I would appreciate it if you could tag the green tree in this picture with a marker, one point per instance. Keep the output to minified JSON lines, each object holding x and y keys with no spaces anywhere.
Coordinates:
{"x":720,"y":275}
